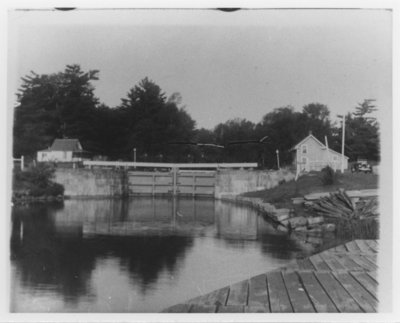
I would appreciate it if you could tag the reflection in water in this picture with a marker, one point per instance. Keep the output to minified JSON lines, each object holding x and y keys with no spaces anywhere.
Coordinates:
{"x":136,"y":255}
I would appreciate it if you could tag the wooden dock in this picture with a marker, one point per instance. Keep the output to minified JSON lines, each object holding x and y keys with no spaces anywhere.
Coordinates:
{"x":339,"y":280}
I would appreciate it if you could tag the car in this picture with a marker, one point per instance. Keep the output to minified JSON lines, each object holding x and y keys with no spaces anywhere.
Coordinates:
{"x":361,"y":166}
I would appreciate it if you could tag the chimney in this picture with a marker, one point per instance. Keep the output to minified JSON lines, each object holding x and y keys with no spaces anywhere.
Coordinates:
{"x":309,"y":132}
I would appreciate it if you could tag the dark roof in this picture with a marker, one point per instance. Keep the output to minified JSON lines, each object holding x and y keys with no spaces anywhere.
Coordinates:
{"x":66,"y":145}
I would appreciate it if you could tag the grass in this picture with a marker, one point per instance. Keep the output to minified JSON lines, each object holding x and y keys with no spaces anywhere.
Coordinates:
{"x":281,"y":195}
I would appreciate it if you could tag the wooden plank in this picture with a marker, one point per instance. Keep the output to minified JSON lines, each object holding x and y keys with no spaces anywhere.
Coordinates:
{"x":364,"y":247}
{"x":256,"y":309}
{"x":217,"y":297}
{"x":278,"y":297}
{"x":343,"y":301}
{"x":179,"y":308}
{"x":322,"y":303}
{"x":361,"y":296}
{"x":297,"y":294}
{"x":258,"y":292}
{"x":197,"y":308}
{"x":373,"y":275}
{"x":373,"y":244}
{"x":340,"y":248}
{"x":230,"y":309}
{"x":367,"y":282}
{"x":352,"y":247}
{"x":331,"y":261}
{"x":305,"y":264}
{"x":238,"y":293}
{"x":347,"y":262}
{"x":363,"y":262}
{"x":318,"y":262}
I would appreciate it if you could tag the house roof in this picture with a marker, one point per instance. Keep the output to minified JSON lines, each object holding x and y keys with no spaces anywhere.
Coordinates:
{"x":65,"y":145}
{"x":318,"y":142}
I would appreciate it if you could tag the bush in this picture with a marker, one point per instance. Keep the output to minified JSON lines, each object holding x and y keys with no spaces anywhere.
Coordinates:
{"x":328,"y":176}
{"x":37,"y":181}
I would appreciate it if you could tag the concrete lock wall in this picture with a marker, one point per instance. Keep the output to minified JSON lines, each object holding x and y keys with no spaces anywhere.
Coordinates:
{"x":109,"y":182}
{"x":91,"y":182}
{"x":241,"y":181}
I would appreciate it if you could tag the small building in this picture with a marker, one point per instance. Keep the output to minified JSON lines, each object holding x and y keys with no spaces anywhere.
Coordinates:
{"x":311,"y":154}
{"x":63,"y":150}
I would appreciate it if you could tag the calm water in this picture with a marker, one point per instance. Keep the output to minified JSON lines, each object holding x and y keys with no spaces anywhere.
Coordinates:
{"x":137,"y":255}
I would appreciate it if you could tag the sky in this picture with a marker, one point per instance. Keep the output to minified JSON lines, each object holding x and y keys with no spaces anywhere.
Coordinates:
{"x":225,"y":65}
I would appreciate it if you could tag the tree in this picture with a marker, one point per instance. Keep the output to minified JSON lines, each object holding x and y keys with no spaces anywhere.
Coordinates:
{"x":151,"y":122}
{"x":362,"y":133}
{"x":55,"y":105}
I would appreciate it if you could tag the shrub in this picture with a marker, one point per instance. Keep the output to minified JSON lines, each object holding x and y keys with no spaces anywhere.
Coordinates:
{"x":328,"y":176}
{"x":38,"y":181}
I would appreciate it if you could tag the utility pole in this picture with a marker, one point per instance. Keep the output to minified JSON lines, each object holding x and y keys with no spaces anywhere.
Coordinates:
{"x":343,"y":132}
{"x":134,"y":157}
{"x":277,"y":158}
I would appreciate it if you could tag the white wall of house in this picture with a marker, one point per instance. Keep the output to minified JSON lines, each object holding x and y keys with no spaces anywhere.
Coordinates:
{"x":57,"y":156}
{"x":310,"y":155}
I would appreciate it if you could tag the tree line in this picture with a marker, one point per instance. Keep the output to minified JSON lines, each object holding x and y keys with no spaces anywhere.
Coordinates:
{"x":63,"y":105}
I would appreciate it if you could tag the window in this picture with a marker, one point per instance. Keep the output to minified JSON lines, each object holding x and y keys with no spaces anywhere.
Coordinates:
{"x":65,"y":155}
{"x":304,"y":149}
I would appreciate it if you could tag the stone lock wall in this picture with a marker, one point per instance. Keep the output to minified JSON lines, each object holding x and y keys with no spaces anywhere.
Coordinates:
{"x":92,"y":182}
{"x":236,"y":182}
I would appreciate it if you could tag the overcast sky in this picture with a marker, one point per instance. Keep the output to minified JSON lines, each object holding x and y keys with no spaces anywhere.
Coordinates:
{"x":224,"y":65}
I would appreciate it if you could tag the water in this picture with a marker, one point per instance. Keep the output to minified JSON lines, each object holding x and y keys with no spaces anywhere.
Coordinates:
{"x":137,"y":255}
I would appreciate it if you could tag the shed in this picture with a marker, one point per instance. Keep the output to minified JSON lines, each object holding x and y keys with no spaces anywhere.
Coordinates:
{"x":63,"y":150}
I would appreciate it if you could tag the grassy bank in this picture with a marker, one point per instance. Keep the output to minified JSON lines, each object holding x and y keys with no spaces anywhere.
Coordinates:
{"x":311,"y":183}
{"x":35,"y":183}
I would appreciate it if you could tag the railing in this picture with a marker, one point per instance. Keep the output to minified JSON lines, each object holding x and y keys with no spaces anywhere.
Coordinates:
{"x":93,"y":163}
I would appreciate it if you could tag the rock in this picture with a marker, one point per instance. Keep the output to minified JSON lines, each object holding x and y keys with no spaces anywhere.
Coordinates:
{"x":298,"y":221}
{"x":329,"y":227}
{"x":279,"y":216}
{"x":282,"y":228}
{"x":297,"y":200}
{"x":268,"y":208}
{"x":300,"y":229}
{"x":315,"y":220}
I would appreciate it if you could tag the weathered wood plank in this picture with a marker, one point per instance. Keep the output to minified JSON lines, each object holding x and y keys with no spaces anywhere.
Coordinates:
{"x":258,"y":292}
{"x":362,"y":297}
{"x":197,"y":308}
{"x":231,"y":309}
{"x":364,"y":247}
{"x":363,"y":262}
{"x":317,"y":294}
{"x":347,"y":262}
{"x":256,"y":309}
{"x":331,"y":261}
{"x":305,"y":264}
{"x":318,"y":262}
{"x":297,"y":294}
{"x":179,"y":308}
{"x":367,"y":282}
{"x":341,"y":248}
{"x":343,"y":301}
{"x":278,"y":297}
{"x":373,"y":275}
{"x":217,"y":297}
{"x":373,"y":244}
{"x":352,"y":247}
{"x":238,"y":293}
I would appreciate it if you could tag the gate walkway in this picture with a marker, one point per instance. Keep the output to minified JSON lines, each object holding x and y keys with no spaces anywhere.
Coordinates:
{"x":341,"y":279}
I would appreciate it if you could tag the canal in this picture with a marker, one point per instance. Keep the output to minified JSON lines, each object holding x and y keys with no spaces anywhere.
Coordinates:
{"x":137,"y":255}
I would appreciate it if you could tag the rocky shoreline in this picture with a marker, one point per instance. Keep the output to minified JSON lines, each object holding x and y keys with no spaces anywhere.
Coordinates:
{"x":24,"y":197}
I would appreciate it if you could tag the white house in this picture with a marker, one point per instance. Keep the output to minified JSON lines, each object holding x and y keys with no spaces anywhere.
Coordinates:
{"x":62,"y":150}
{"x":311,"y":154}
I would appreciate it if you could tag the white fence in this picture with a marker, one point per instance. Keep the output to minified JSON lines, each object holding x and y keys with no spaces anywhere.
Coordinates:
{"x":121,"y":164}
